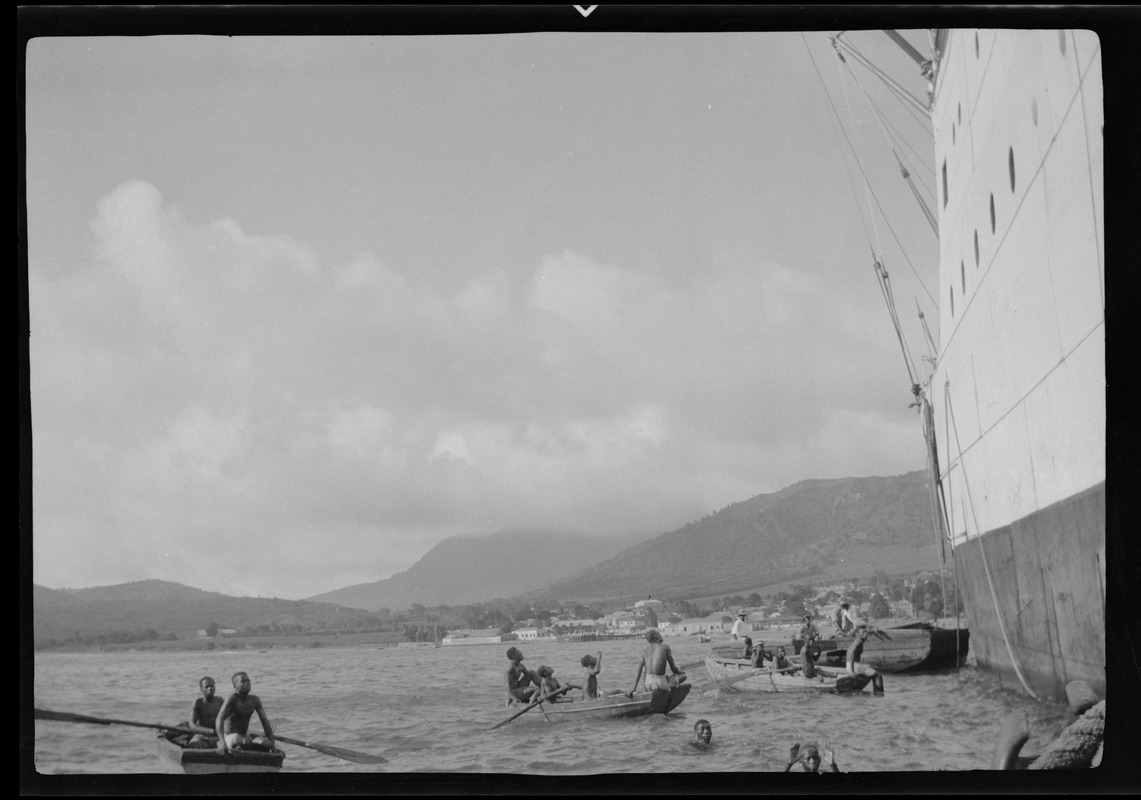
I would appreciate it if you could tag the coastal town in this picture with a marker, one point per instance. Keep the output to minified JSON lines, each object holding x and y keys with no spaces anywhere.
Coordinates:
{"x":918,"y":596}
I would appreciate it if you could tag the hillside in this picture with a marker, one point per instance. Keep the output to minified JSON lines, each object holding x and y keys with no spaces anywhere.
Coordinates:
{"x":471,"y":569}
{"x":849,"y":527}
{"x":163,"y":606}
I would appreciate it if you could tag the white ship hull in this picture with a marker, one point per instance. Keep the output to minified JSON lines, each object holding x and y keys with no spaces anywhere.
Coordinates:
{"x":1017,"y":398}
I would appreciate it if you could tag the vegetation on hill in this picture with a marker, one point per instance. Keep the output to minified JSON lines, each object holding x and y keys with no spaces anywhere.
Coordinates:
{"x":803,"y":530}
{"x":813,"y":529}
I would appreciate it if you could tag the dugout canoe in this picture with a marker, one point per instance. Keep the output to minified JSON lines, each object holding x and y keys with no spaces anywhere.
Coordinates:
{"x":729,"y":671}
{"x":207,"y":761}
{"x":611,"y":706}
{"x":915,"y":647}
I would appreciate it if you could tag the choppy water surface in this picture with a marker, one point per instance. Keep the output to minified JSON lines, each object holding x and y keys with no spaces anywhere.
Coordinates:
{"x":430,"y":709}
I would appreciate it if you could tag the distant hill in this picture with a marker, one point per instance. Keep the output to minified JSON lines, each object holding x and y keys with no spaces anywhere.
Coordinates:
{"x":164,"y":607}
{"x":849,"y":527}
{"x":471,"y":569}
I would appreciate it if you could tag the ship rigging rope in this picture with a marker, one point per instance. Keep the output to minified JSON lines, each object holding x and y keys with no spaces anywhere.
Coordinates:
{"x":894,"y":143}
{"x":859,"y":164}
{"x":982,"y":549}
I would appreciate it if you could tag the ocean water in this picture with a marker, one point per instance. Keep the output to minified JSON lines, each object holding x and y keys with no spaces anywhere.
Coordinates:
{"x":430,"y":710}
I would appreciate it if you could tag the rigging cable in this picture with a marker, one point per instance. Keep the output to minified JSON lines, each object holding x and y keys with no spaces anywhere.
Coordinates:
{"x":982,"y":549}
{"x":868,"y":188}
{"x":892,"y":146}
{"x":881,"y":273}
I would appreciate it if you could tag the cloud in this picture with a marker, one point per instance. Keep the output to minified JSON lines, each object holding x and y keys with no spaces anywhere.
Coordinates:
{"x":219,"y":408}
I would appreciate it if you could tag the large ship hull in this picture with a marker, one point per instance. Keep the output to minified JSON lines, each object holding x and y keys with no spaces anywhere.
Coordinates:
{"x":1015,"y":408}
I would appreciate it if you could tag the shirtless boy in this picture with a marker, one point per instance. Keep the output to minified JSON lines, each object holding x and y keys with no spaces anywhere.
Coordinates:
{"x":593,"y":665}
{"x":522,"y":684}
{"x":856,"y":652}
{"x":702,"y":733}
{"x":549,"y":683}
{"x":654,"y":661}
{"x":233,"y":723}
{"x":204,"y":715}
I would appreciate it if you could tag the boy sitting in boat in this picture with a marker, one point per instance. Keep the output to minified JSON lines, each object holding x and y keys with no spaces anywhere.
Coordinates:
{"x":758,"y":656}
{"x":204,"y":715}
{"x":548,"y":683}
{"x":809,"y":655}
{"x":522,"y":684}
{"x":653,"y":664}
{"x":808,"y":631}
{"x":781,"y":661}
{"x":233,"y":723}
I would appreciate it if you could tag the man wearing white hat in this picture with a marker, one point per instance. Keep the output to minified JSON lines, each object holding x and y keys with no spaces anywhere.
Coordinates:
{"x":739,"y":626}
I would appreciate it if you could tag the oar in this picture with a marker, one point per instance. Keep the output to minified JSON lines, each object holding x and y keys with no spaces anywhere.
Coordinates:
{"x":721,"y":684}
{"x":327,"y":749}
{"x":336,"y":752}
{"x":555,"y":693}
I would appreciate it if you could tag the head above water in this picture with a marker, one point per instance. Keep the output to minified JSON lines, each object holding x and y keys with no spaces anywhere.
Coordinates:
{"x":703,"y":731}
{"x":652,"y":635}
{"x":810,"y":755}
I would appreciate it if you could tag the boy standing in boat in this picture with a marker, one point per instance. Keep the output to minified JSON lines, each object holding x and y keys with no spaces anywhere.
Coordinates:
{"x":738,"y":626}
{"x":204,"y":715}
{"x":233,"y":723}
{"x":855,"y":652}
{"x":654,"y":661}
{"x":518,"y":679}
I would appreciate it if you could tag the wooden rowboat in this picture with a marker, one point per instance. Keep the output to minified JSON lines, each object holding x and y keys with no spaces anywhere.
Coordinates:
{"x":611,"y":706}
{"x":207,"y":760}
{"x":830,"y":681}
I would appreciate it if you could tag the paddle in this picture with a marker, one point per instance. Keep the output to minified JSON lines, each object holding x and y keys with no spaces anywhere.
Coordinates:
{"x":327,"y":749}
{"x":538,"y":702}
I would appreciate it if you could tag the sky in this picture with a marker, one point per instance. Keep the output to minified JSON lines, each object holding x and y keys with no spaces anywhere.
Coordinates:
{"x":302,"y":307}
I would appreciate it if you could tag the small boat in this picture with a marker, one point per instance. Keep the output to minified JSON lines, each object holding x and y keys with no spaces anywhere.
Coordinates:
{"x":915,"y":647}
{"x":207,"y":760}
{"x":722,"y":670}
{"x":612,"y":706}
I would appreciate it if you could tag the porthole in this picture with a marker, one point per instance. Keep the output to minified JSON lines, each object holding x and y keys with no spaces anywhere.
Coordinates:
{"x":1034,"y":111}
{"x":1011,"y":160}
{"x":992,"y":227}
{"x":976,"y":248}
{"x":1062,"y":41}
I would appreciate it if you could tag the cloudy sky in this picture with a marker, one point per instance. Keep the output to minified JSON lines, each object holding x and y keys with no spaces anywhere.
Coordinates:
{"x":302,"y":307}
